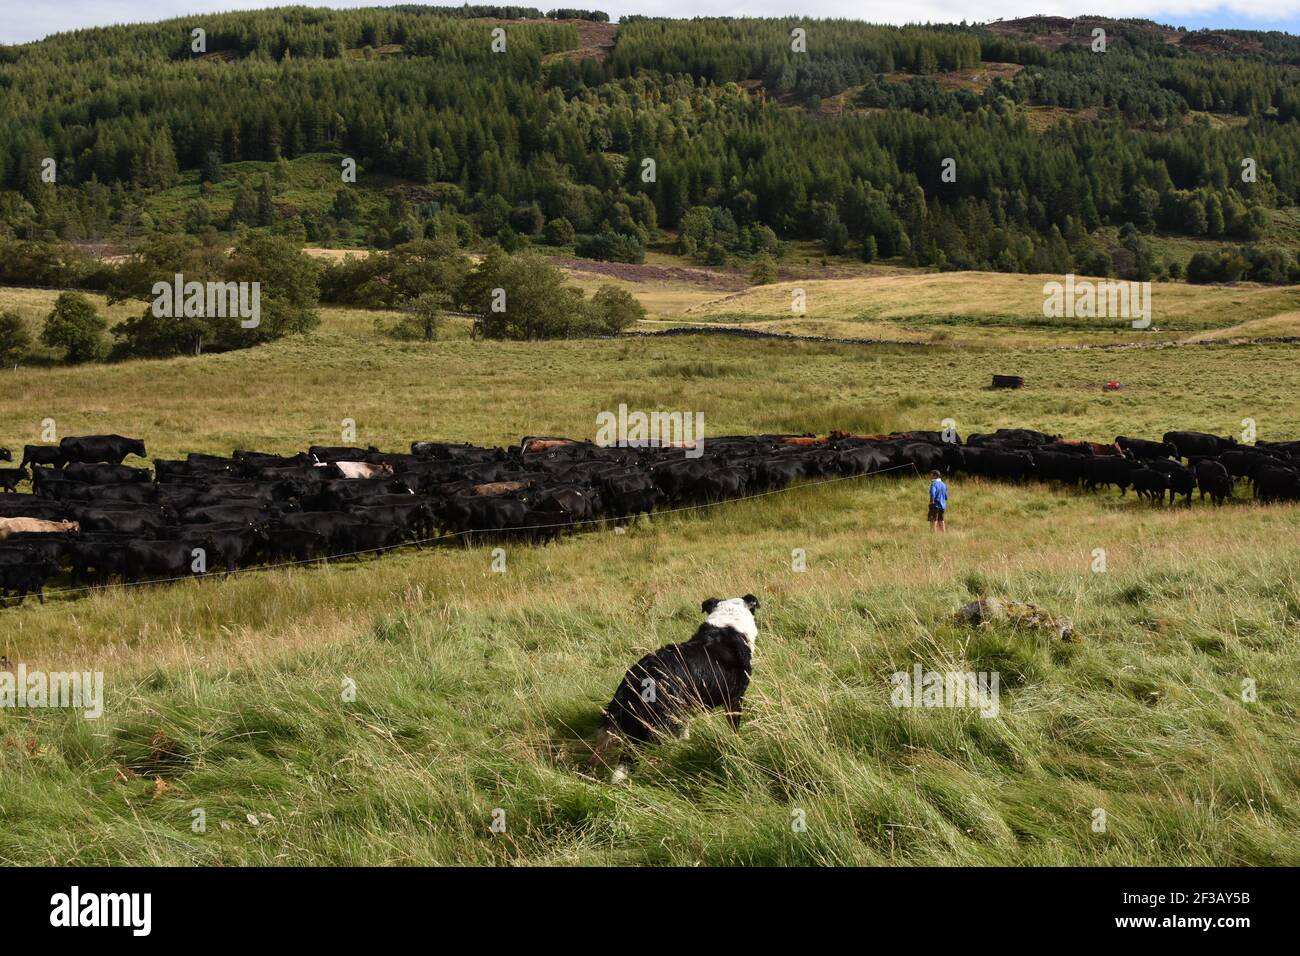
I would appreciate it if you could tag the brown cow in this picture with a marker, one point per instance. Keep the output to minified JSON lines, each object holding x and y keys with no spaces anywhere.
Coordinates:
{"x":1097,"y":448}
{"x":541,"y":444}
{"x":494,"y":488}
{"x":10,"y":526}
{"x":805,"y":441}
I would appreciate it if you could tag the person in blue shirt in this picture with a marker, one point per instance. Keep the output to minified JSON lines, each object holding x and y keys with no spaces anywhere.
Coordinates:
{"x":938,"y":502}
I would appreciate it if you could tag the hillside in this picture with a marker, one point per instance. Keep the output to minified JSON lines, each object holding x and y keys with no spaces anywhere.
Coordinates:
{"x":995,"y":147}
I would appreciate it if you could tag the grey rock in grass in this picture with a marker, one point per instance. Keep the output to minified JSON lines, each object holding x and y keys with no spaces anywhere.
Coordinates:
{"x":1019,"y":613}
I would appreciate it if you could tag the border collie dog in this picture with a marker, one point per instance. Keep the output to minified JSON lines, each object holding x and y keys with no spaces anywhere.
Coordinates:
{"x":659,"y":691}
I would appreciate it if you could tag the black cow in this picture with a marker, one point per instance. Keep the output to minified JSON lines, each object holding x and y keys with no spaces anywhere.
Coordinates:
{"x":231,"y":546}
{"x":414,"y":516}
{"x":294,"y":544}
{"x":1180,"y":479}
{"x":1107,"y":470}
{"x":862,"y":460}
{"x":1213,"y":478}
{"x":923,"y":456}
{"x":360,"y":537}
{"x":934,"y":438}
{"x":999,"y":463}
{"x":1286,"y":449}
{"x":227,"y":514}
{"x":1141,"y":448}
{"x":580,"y":504}
{"x":101,"y":448}
{"x":1198,"y":444}
{"x":106,"y":554}
{"x":11,"y":478}
{"x":1025,"y":437}
{"x":6,"y":455}
{"x":51,"y":455}
{"x":1149,"y":483}
{"x":167,"y":559}
{"x":464,"y":513}
{"x":123,"y":519}
{"x":202,"y":468}
{"x":342,"y":453}
{"x":1277,"y":484}
{"x":29,"y":506}
{"x":1246,"y":462}
{"x":27,"y":577}
{"x":93,"y":474}
{"x":1065,"y":467}
{"x":46,"y":544}
{"x":102,"y":494}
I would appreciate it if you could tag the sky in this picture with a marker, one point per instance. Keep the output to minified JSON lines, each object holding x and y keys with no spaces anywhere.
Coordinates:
{"x":24,"y":20}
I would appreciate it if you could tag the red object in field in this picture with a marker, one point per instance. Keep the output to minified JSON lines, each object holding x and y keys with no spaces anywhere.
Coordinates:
{"x":1112,"y":387}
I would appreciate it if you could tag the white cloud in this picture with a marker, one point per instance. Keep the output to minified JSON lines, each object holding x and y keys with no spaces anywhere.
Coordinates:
{"x":20,"y":21}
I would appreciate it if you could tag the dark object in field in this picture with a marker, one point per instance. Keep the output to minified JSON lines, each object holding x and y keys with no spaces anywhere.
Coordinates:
{"x":6,"y":455}
{"x":1008,"y":381}
{"x":662,"y":689}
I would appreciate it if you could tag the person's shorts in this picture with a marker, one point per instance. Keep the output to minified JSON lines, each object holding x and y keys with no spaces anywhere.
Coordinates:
{"x":936,"y":513}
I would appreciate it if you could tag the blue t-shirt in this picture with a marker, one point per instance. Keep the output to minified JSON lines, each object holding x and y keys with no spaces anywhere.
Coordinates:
{"x":939,"y":494}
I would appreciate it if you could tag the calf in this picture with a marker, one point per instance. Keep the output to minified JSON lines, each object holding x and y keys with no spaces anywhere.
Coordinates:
{"x":11,"y":478}
{"x":26,"y":578}
{"x":50,"y":455}
{"x":1150,"y":484}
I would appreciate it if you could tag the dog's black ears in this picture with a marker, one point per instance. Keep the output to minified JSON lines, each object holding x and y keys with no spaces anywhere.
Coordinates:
{"x":751,"y":602}
{"x":710,"y":603}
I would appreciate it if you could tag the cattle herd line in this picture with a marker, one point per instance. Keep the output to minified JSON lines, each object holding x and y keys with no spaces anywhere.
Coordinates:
{"x":99,"y":521}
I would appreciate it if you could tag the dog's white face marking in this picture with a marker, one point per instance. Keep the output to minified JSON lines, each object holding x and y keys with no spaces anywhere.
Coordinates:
{"x":734,"y":613}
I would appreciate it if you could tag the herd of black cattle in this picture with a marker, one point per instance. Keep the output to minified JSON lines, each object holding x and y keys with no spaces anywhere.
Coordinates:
{"x":99,"y":520}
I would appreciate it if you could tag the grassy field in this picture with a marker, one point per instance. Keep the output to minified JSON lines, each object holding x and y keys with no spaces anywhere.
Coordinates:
{"x":990,"y":309}
{"x":476,"y":691}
